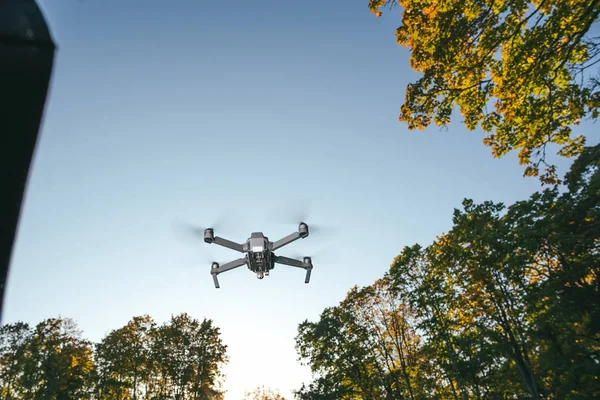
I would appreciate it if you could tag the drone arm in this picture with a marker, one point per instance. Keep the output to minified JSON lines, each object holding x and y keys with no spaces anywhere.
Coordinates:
{"x":228,"y":243}
{"x":226,"y":267}
{"x":295,"y":263}
{"x":292,"y":237}
{"x":291,"y":262}
{"x":229,"y":266}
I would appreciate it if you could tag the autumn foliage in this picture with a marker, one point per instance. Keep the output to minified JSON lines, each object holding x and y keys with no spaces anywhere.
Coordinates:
{"x":521,"y":70}
{"x":504,"y":305}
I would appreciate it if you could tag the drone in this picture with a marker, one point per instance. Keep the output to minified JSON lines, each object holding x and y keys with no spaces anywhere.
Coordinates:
{"x":259,"y":253}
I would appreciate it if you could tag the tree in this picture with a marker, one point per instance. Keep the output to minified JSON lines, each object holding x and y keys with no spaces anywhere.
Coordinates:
{"x":189,"y":355}
{"x":124,"y":360}
{"x":57,"y":363}
{"x":363,"y":348}
{"x":506,"y":304}
{"x":334,"y":347}
{"x":526,"y":282}
{"x":559,"y":234}
{"x":519,"y":69}
{"x":263,"y":393}
{"x":13,"y":338}
{"x":393,"y":342}
{"x":178,"y":360}
{"x":321,"y":388}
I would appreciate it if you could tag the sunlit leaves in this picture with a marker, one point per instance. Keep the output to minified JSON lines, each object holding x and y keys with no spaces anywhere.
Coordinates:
{"x":13,"y":338}
{"x":263,"y":393}
{"x":180,"y":359}
{"x":364,"y":348}
{"x":189,"y":356}
{"x":49,"y":361}
{"x":518,"y":69}
{"x":503,"y":305}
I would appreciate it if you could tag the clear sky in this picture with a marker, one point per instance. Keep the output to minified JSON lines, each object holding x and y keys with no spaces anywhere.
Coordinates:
{"x":182,"y":110}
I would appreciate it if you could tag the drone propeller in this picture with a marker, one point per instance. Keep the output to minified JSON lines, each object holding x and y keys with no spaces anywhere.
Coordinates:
{"x":201,"y":262}
{"x":321,"y":229}
{"x":298,"y":212}
{"x":293,"y":212}
{"x":316,"y":257}
{"x":187,"y":230}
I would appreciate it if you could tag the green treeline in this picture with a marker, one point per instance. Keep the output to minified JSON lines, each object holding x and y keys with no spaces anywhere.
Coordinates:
{"x":504,"y":305}
{"x":180,"y":359}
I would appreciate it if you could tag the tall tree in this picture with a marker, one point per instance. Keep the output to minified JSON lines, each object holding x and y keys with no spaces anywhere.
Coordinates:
{"x":189,"y":354}
{"x":334,"y":348}
{"x":504,"y":305}
{"x":519,"y":69}
{"x":394,"y":344}
{"x":13,"y":338}
{"x":558,"y":238}
{"x":526,"y":283}
{"x":124,"y":360}
{"x":367,"y":344}
{"x":321,"y":388}
{"x":57,"y":362}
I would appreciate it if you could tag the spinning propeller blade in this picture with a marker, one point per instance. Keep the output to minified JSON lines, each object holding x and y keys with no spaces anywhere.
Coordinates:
{"x":317,"y":257}
{"x":293,"y":213}
{"x":202,"y":262}
{"x":321,"y":229}
{"x":185,"y":230}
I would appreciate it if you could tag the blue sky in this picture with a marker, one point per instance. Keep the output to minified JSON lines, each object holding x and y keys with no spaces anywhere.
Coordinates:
{"x":182,"y":110}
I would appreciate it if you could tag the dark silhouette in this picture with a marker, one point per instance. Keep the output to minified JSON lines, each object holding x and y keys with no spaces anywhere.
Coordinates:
{"x":27,"y":54}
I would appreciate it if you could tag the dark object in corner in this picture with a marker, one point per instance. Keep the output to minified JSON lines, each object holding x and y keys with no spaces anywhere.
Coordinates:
{"x":26,"y":60}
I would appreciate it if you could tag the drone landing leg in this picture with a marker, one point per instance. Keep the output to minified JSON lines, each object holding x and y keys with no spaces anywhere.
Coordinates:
{"x":226,"y":267}
{"x":295,"y":263}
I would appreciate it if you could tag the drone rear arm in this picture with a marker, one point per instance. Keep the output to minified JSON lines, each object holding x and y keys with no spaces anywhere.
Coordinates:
{"x":295,"y":263}
{"x":226,"y":267}
{"x":292,"y":262}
